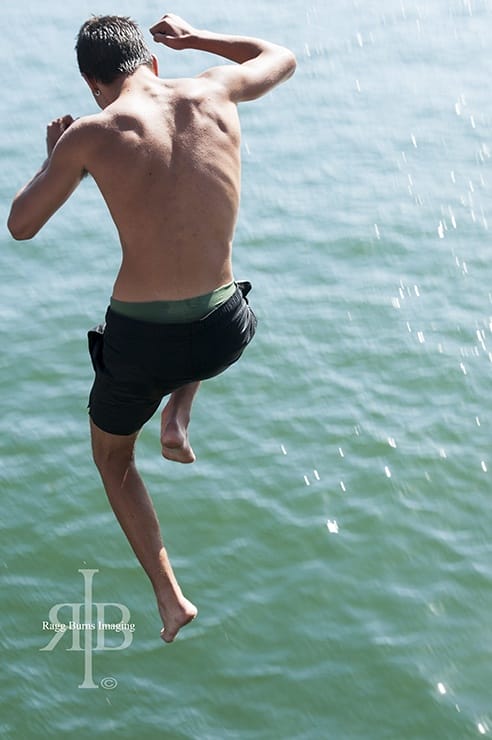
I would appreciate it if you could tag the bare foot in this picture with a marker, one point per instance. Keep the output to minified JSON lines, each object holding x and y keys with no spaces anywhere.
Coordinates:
{"x":175,"y":444}
{"x":176,"y":618}
{"x":174,"y":438}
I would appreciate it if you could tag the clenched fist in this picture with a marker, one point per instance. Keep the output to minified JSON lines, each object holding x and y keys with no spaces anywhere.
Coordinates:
{"x":55,"y":129}
{"x":173,"y":31}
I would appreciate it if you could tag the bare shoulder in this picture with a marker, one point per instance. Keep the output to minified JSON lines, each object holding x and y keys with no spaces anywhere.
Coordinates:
{"x":77,"y":137}
{"x":214,"y":80}
{"x":205,"y":99}
{"x":204,"y":94}
{"x":84,"y":138}
{"x":85,"y":128}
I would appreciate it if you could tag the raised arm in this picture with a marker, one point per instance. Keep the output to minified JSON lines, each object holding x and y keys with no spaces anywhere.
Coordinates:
{"x":260,"y":64}
{"x":52,"y":185}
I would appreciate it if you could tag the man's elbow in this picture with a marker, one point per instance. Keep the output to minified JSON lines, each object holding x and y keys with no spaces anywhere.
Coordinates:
{"x":287,"y":63}
{"x":19,"y":231}
{"x":291,"y":63}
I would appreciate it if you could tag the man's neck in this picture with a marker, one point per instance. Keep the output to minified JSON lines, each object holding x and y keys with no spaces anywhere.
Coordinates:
{"x":141,"y":79}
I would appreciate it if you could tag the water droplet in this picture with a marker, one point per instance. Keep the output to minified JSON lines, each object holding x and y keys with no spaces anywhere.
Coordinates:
{"x":391,"y":442}
{"x":481,"y":339}
{"x":484,"y":466}
{"x":332,"y":526}
{"x":306,"y":481}
{"x":284,"y":451}
{"x":316,"y":474}
{"x":342,"y":486}
{"x":387,"y":471}
{"x":441,"y":688}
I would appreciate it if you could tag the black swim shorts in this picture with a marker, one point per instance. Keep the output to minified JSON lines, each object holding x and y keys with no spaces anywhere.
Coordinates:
{"x":137,"y":362}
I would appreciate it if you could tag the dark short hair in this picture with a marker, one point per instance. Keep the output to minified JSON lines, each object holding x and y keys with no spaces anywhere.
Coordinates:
{"x":109,"y":46}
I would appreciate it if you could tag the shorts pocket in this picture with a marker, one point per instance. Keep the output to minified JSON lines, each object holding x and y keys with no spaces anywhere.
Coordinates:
{"x":95,"y":339}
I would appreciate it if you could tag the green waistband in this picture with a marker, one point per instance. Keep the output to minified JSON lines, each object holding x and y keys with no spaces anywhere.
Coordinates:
{"x":174,"y":312}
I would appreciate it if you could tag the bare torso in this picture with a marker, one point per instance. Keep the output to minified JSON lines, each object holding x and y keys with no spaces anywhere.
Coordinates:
{"x":166,"y":157}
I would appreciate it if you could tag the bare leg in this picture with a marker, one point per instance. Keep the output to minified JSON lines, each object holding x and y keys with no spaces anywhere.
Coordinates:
{"x":175,"y":420}
{"x":132,"y":505}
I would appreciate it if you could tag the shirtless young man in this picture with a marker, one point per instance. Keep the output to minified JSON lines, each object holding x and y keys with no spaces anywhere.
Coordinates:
{"x":165,"y":154}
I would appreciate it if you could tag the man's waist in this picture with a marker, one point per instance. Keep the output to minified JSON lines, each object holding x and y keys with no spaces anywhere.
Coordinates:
{"x":176,"y":311}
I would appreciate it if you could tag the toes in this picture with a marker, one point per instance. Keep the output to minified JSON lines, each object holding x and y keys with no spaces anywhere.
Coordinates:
{"x":165,"y":636}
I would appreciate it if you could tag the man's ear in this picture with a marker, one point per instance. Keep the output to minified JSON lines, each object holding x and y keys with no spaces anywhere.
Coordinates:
{"x":155,"y":65}
{"x":92,"y":84}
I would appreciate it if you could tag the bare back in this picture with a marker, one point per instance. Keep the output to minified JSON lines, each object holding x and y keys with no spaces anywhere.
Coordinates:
{"x":166,"y":157}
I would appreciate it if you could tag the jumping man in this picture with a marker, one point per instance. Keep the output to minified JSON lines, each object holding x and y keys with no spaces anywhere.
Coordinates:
{"x":165,"y":154}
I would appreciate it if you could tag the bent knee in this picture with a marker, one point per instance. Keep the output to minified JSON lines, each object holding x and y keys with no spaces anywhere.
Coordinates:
{"x":112,"y":461}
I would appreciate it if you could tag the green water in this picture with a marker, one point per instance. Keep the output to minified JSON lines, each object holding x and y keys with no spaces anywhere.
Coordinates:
{"x":362,"y":404}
